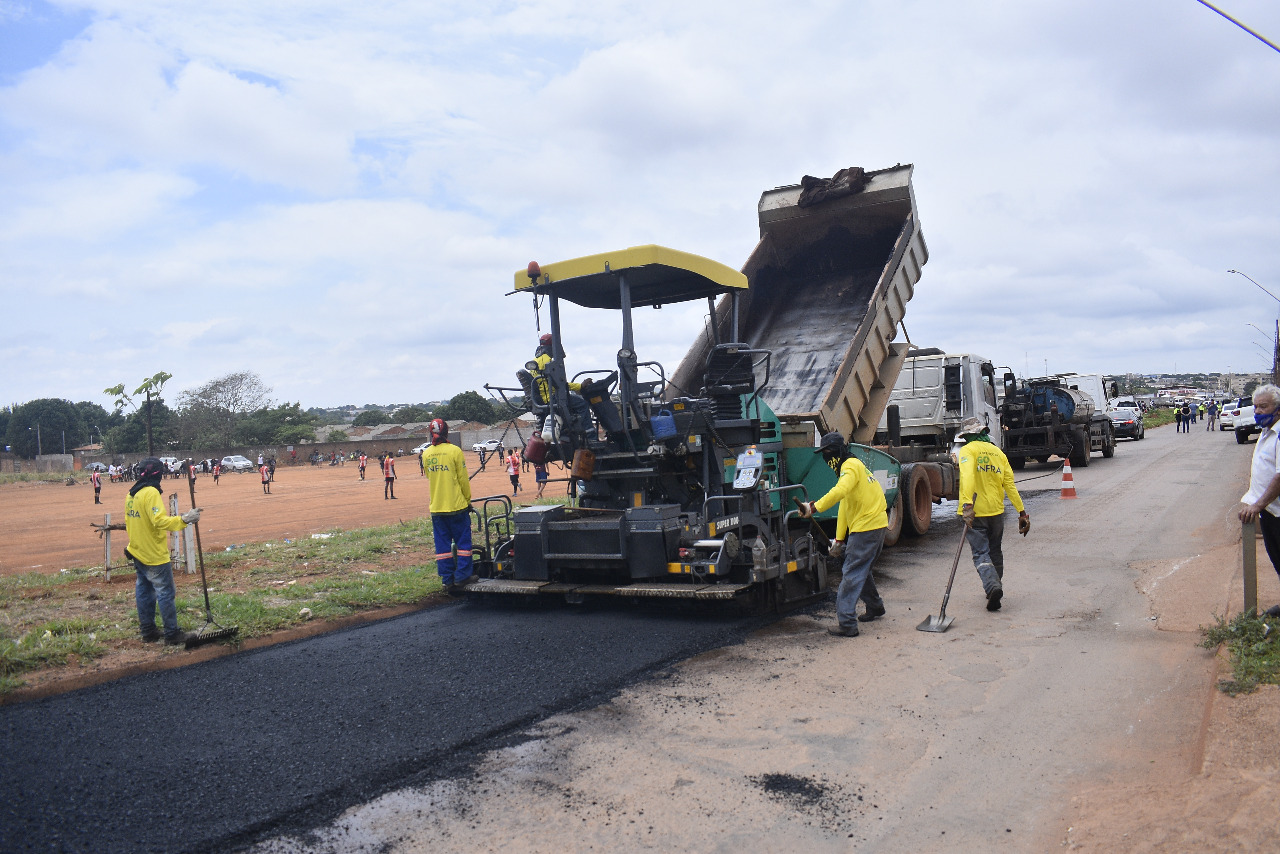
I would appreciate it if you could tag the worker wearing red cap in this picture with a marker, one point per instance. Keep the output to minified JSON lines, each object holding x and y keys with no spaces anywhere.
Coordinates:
{"x":450,"y":486}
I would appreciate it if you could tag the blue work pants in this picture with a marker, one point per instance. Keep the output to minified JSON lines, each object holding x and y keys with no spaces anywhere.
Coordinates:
{"x":155,"y":585}
{"x":448,"y":529}
{"x":860,"y":551}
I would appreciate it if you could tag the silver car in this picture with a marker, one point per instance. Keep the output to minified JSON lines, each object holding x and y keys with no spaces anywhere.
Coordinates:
{"x":235,"y":462}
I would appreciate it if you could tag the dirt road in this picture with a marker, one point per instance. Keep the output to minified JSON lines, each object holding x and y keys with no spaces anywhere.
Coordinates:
{"x":45,"y":527}
{"x":1082,"y":715}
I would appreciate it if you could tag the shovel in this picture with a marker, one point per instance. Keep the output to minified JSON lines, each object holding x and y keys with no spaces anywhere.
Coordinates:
{"x":942,"y":622}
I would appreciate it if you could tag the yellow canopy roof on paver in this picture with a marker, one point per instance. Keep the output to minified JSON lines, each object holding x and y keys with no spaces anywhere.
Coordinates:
{"x":655,"y":275}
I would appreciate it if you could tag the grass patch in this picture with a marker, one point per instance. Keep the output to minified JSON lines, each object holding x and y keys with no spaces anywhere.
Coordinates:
{"x":50,"y":620}
{"x":1157,"y":418}
{"x":57,"y":477}
{"x":1253,"y":644}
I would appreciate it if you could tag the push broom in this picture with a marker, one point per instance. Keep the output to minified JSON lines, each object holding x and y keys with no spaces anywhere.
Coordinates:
{"x":206,"y":634}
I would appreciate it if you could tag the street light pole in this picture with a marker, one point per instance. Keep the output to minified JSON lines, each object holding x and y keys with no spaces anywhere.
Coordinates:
{"x":1275,"y":355}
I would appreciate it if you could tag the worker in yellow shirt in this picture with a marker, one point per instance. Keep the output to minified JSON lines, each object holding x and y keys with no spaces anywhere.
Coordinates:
{"x":986,"y":473}
{"x":148,"y":525}
{"x":446,"y":471}
{"x":860,"y":528}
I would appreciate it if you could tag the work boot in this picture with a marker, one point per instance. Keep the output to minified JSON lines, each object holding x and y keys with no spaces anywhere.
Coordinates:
{"x":871,"y":614}
{"x":176,"y":639}
{"x":151,"y":636}
{"x":843,"y":631}
{"x":993,"y":599}
{"x":1273,"y":611}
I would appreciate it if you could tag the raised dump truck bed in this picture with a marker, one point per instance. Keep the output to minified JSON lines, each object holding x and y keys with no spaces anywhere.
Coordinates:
{"x":836,"y":263}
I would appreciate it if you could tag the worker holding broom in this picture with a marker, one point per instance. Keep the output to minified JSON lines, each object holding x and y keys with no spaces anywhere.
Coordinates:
{"x":450,"y":487}
{"x":985,"y":470}
{"x":147,"y":525}
{"x":860,"y":528}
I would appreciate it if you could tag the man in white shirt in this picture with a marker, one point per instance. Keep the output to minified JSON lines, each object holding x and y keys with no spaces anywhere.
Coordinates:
{"x":1262,"y":501}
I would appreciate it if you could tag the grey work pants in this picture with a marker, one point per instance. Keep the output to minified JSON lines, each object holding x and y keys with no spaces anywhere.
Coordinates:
{"x":984,"y":538}
{"x":860,"y":551}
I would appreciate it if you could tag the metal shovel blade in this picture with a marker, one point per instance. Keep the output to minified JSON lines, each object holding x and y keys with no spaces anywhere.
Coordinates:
{"x":935,"y":624}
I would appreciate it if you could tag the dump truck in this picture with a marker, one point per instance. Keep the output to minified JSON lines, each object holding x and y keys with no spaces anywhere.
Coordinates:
{"x":684,"y":483}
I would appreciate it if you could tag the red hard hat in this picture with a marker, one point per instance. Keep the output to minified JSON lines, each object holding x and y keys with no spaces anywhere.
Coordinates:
{"x":439,"y":431}
{"x":545,"y":340}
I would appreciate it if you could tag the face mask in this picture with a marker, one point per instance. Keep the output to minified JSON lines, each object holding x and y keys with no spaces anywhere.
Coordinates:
{"x":1264,"y":419}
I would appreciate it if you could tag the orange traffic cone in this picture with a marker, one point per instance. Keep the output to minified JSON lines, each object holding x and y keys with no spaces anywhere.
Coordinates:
{"x":1068,"y":485}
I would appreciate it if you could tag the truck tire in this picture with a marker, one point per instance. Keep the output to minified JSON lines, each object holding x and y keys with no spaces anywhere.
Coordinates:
{"x":1017,"y":463}
{"x":917,"y":499}
{"x":894,"y":531}
{"x":1079,"y":449}
{"x":1242,"y":436}
{"x":1108,"y":442}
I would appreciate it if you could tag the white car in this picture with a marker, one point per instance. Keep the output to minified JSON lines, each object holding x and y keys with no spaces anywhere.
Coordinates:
{"x":488,"y":446}
{"x":417,"y":452}
{"x":235,"y":462}
{"x":1231,"y":410}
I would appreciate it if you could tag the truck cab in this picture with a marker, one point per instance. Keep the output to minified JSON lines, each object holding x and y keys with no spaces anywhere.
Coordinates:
{"x":935,"y":393}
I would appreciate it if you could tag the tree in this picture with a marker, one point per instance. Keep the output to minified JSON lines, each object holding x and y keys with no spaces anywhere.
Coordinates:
{"x":1249,"y":387}
{"x":38,"y":426}
{"x":97,"y":419}
{"x":406,"y":414}
{"x":211,"y":415}
{"x":336,"y":436}
{"x":469,"y":406}
{"x":371,"y":418}
{"x":286,"y":424}
{"x":152,"y":384}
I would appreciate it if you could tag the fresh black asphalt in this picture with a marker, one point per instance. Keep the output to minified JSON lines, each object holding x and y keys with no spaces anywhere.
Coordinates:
{"x":215,"y":755}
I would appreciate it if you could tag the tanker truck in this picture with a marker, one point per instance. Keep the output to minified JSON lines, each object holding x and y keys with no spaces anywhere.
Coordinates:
{"x":1053,"y":416}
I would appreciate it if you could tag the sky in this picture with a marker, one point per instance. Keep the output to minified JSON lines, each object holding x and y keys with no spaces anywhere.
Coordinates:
{"x":337,"y":195}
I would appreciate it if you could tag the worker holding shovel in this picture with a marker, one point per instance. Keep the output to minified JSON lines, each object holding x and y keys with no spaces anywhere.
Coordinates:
{"x":148,"y":526}
{"x":985,"y":470}
{"x":860,"y":528}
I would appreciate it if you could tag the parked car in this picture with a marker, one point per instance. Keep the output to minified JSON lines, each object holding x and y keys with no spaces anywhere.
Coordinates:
{"x":235,"y":462}
{"x":1245,"y":426}
{"x":417,"y":452}
{"x":1230,"y":410}
{"x":1127,"y":423}
{"x":97,"y":467}
{"x":488,"y":446}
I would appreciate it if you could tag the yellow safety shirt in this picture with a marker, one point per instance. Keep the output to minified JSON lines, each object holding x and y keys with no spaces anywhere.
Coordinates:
{"x":446,"y":470}
{"x":862,"y":504}
{"x":146,"y":523}
{"x":985,"y":469}
{"x":543,"y":383}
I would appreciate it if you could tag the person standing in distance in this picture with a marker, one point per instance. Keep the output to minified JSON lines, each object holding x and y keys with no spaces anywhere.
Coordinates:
{"x":364,"y":461}
{"x":1262,"y":501}
{"x":860,"y":528}
{"x":389,"y":477}
{"x":513,"y":472}
{"x":985,"y":470}
{"x":446,"y":469}
{"x":147,"y":525}
{"x":96,"y":480}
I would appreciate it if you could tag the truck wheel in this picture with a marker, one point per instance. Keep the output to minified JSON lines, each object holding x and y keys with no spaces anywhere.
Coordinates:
{"x":1108,"y":443}
{"x":917,"y":495}
{"x":894,"y":531}
{"x":1242,"y":436}
{"x":1017,"y":463}
{"x":1080,"y":450}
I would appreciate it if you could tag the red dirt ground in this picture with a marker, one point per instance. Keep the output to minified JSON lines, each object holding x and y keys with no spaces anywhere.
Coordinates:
{"x":45,"y":527}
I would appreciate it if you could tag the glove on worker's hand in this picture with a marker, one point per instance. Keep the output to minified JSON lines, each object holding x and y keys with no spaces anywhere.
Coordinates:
{"x":1024,"y":523}
{"x":806,"y":509}
{"x":837,"y":548}
{"x":968,"y":514}
{"x":191,"y":516}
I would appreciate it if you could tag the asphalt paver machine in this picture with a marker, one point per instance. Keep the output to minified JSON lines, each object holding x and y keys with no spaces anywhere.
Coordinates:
{"x":675,"y":495}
